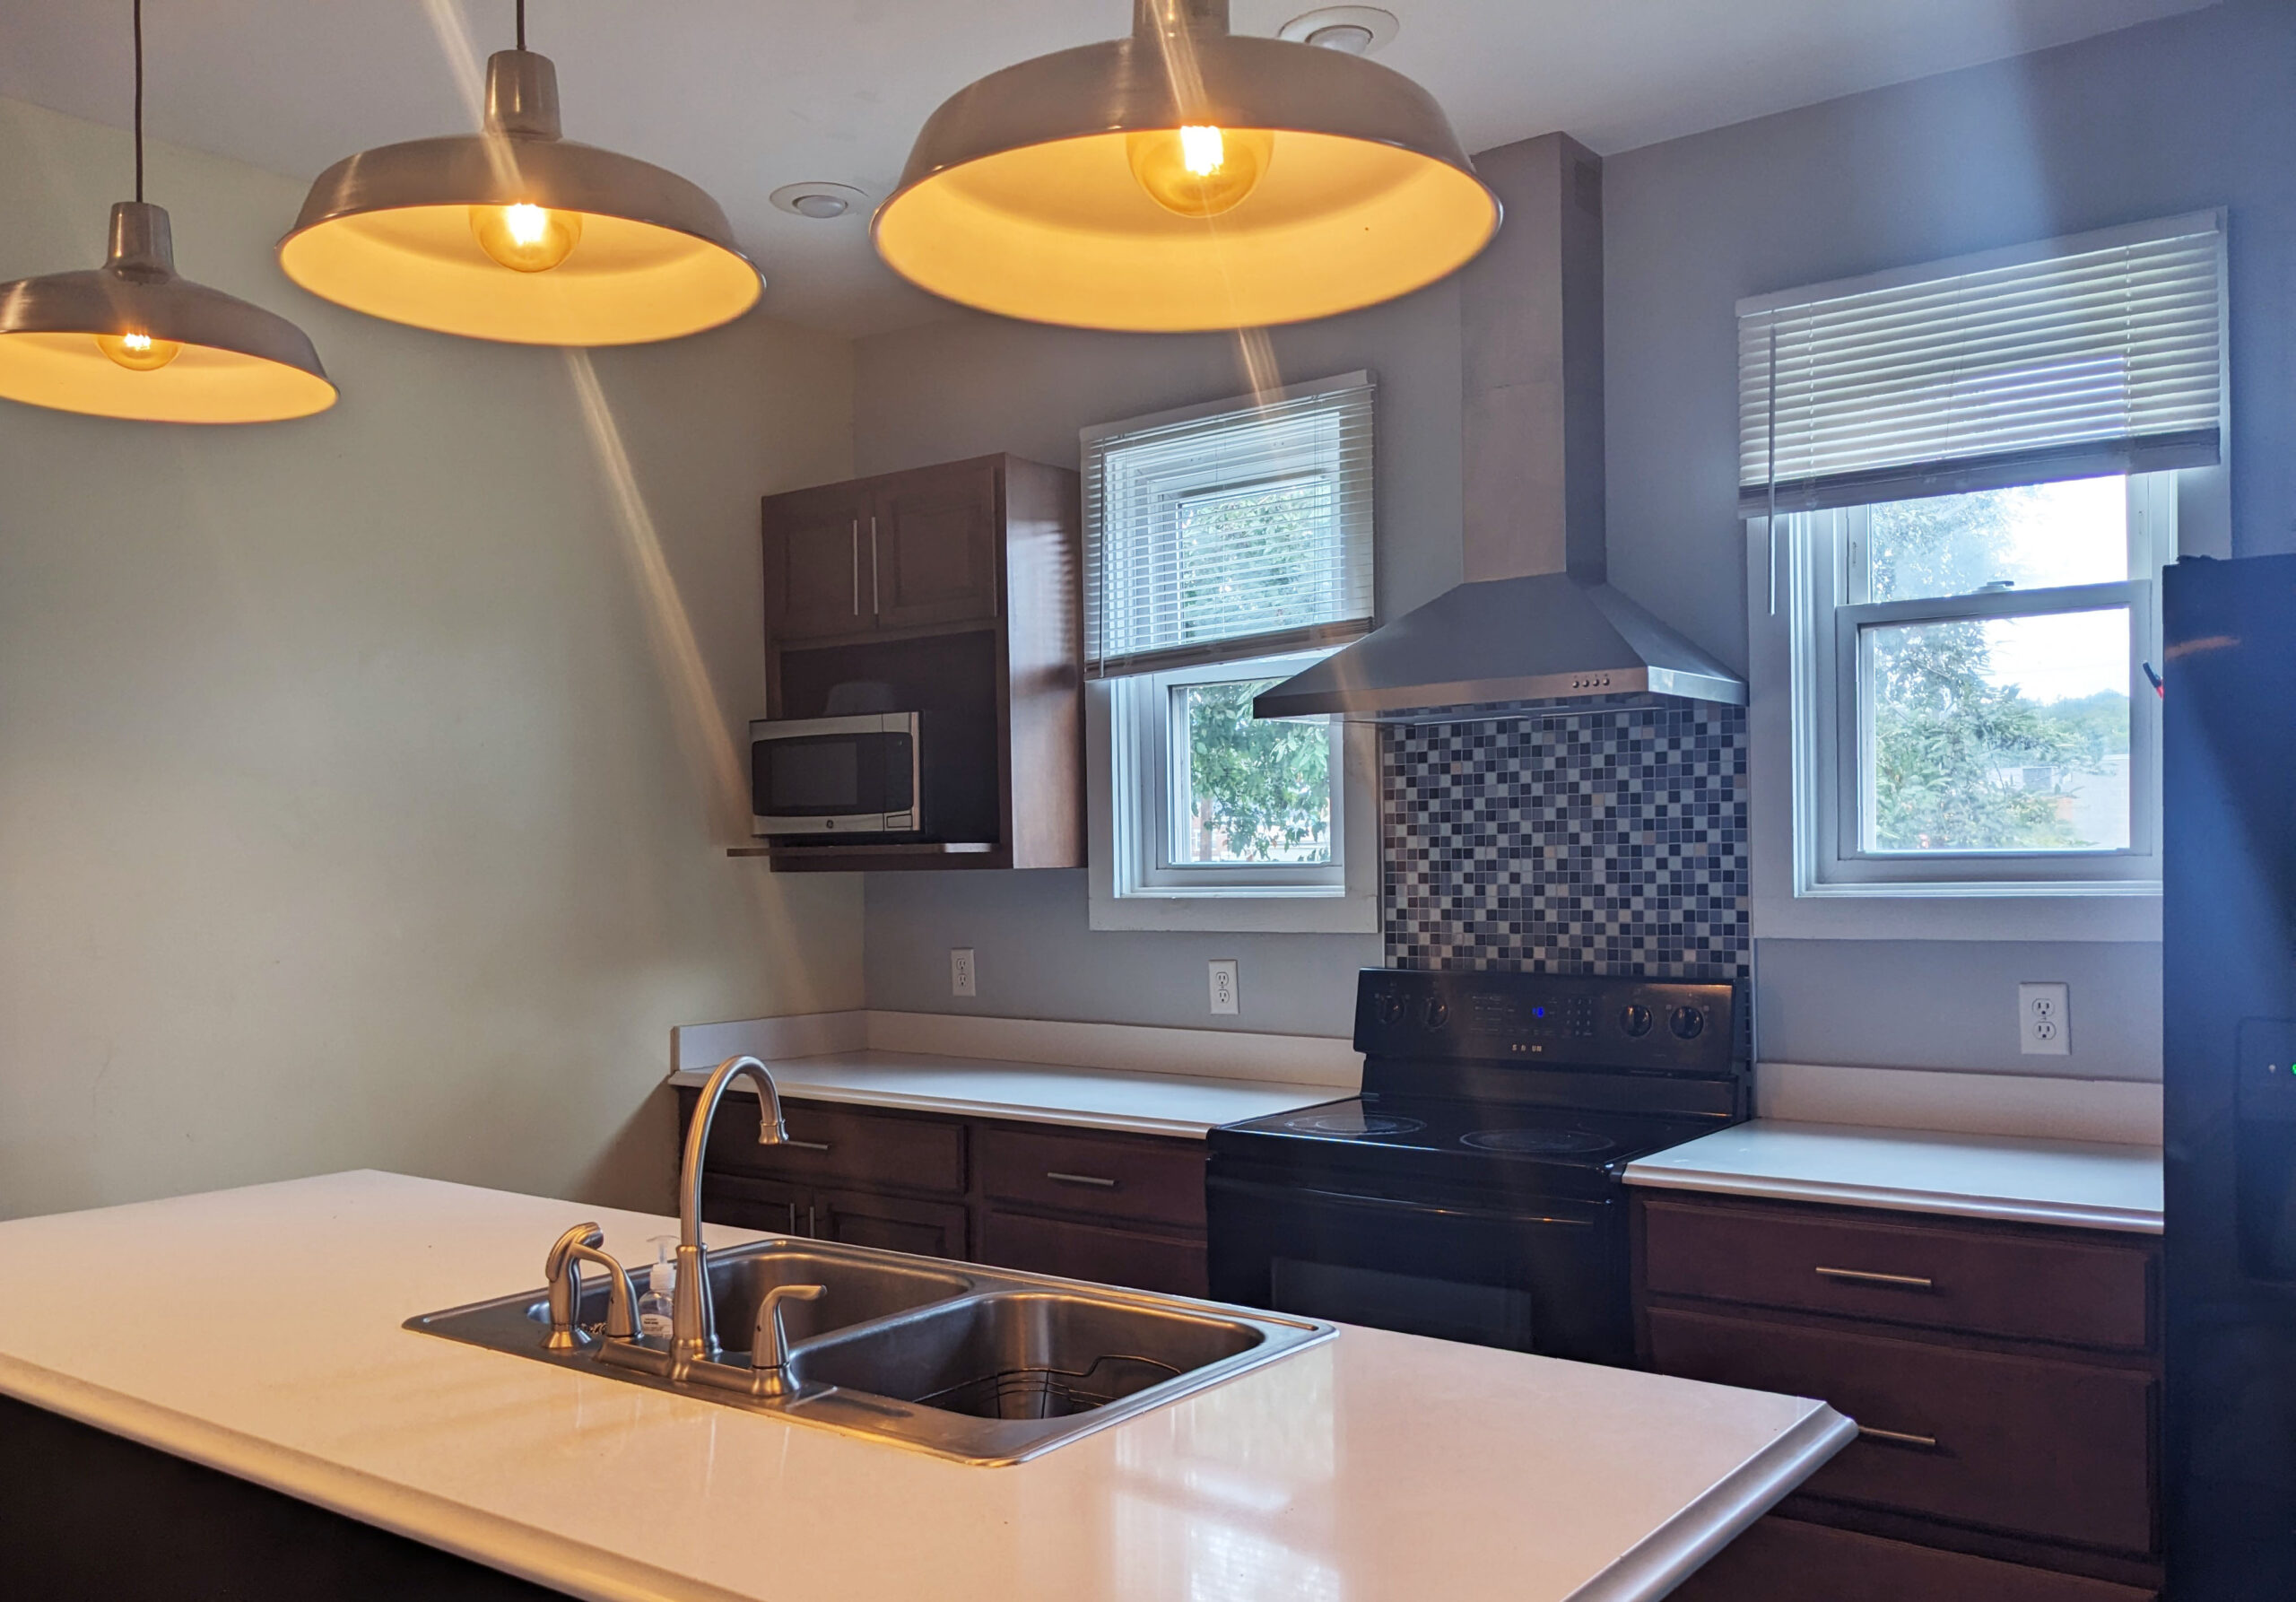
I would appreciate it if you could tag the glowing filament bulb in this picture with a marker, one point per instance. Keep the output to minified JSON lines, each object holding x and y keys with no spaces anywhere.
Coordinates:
{"x":1203,"y":151}
{"x":524,"y":238}
{"x":1198,"y":171}
{"x":138,"y":352}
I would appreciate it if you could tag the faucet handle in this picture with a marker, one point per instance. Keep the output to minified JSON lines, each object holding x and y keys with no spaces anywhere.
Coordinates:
{"x":769,"y":1342}
{"x":562,"y":1269}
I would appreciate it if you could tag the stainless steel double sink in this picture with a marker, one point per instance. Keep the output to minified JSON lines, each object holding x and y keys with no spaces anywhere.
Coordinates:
{"x":985,"y":1365}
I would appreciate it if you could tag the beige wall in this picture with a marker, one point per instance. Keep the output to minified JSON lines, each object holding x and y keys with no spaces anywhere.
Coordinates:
{"x":364,"y":780}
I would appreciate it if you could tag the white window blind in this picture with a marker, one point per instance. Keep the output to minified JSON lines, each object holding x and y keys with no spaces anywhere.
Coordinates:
{"x":1238,"y":529}
{"x":2094,"y":355}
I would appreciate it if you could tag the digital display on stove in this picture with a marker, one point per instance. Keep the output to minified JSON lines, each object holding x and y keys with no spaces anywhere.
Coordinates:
{"x":1554,"y":1019}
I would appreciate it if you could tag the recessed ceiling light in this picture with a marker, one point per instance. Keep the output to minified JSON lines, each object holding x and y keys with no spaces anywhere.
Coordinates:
{"x":1352,"y":29}
{"x":821,"y":201}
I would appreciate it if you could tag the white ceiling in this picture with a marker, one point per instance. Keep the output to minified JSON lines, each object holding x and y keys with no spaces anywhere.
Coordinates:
{"x":743,"y":96}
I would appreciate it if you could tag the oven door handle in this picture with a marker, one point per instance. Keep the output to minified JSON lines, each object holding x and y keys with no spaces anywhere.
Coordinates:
{"x":1387,"y":1203}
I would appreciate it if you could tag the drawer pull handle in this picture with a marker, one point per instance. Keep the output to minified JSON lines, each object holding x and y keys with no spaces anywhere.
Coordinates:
{"x":1057,"y":1177}
{"x":1898,"y":1437}
{"x":808,"y":1145}
{"x":1906,"y":1282}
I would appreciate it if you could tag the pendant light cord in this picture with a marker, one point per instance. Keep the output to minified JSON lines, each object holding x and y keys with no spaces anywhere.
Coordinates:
{"x":522,"y":22}
{"x":139,"y":99}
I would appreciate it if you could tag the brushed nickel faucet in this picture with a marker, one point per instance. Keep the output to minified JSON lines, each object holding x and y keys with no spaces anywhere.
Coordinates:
{"x":693,"y":1336}
{"x":562,"y":1268}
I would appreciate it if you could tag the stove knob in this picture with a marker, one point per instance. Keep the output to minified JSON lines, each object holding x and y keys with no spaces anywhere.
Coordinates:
{"x":1438,"y":1012}
{"x":1391,"y":1008}
{"x":1687,"y":1022}
{"x":1635,"y":1019}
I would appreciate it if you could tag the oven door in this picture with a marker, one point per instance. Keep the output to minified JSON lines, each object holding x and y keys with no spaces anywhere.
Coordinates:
{"x":836,"y":775}
{"x":1546,"y":1278}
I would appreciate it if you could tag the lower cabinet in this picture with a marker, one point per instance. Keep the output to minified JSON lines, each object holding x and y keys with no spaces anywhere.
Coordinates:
{"x":1122,"y":1209}
{"x":2005,"y":1379}
{"x":1785,"y":1558}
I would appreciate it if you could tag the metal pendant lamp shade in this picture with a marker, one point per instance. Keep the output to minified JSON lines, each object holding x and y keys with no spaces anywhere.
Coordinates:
{"x":131,"y":339}
{"x":1185,"y":178}
{"x":516,"y":234}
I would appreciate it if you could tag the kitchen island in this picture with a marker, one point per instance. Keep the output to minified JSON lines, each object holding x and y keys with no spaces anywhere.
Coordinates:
{"x":257,"y":1332}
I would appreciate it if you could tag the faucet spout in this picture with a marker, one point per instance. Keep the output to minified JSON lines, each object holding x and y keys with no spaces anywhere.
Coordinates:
{"x":693,"y":1336}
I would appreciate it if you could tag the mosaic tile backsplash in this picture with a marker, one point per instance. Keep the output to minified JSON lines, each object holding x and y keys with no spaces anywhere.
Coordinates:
{"x":1609,"y":841}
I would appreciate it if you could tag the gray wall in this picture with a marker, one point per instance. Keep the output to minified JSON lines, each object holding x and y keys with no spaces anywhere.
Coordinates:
{"x":365,"y":780}
{"x":2191,"y":112}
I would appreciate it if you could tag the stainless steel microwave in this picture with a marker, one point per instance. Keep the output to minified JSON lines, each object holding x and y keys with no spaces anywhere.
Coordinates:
{"x":838,"y":776}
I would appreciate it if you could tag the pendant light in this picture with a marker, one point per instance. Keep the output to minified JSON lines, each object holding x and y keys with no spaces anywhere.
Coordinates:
{"x":1185,"y":178}
{"x":131,"y":339}
{"x":518,"y":234}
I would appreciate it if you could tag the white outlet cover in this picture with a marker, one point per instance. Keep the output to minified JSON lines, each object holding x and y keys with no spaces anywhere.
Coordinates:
{"x":1224,"y":985}
{"x":962,"y":976}
{"x":2044,"y":1020}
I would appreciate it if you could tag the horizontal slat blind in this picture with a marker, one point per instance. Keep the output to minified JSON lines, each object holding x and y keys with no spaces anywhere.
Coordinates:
{"x":1228,"y":532}
{"x":2102,"y":353}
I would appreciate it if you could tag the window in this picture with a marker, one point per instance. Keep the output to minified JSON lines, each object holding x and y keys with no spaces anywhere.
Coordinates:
{"x":1972,"y":472}
{"x":1227,"y":547}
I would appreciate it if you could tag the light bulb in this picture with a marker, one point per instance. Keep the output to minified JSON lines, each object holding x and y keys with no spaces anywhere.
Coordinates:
{"x":525,"y":238}
{"x":1197,"y":170}
{"x":138,"y":352}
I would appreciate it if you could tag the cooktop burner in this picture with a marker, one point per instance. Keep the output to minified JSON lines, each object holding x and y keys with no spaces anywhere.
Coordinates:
{"x":1354,"y":1120}
{"x":1538,"y":1141}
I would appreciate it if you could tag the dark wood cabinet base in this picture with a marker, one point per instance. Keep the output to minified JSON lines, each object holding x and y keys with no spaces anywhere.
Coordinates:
{"x":91,"y":1517}
{"x":1786,"y":1558}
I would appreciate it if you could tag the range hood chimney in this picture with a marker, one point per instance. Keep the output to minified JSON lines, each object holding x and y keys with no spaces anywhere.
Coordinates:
{"x":1536,"y":620}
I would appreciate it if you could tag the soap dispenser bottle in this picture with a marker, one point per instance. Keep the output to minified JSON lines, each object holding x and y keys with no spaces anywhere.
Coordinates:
{"x":654,"y":1307}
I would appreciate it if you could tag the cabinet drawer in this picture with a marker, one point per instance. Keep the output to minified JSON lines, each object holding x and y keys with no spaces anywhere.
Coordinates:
{"x":2061,"y":1450}
{"x":1152,"y":1181}
{"x":1076,"y":1250}
{"x":2076,"y":1291}
{"x":1786,"y":1560}
{"x":834,"y":1146}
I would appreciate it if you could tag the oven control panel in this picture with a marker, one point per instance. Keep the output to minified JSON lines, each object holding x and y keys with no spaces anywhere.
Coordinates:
{"x":1484,"y":1016}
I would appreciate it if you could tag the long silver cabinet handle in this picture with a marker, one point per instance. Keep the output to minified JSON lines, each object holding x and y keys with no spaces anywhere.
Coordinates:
{"x":876,"y":605}
{"x":1904,"y":1282}
{"x":808,"y":1145}
{"x":1079,"y":1178}
{"x":857,"y":563}
{"x":1898,"y":1437}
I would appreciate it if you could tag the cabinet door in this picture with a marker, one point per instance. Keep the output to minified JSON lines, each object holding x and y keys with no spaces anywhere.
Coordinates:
{"x":892,"y":1223}
{"x":1075,"y":1250}
{"x":1784,"y":1560}
{"x":747,"y":1203}
{"x":817,"y":577}
{"x":930,"y":546}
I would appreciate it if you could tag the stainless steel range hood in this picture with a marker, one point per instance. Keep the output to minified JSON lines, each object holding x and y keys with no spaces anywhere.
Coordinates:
{"x":1536,"y":621}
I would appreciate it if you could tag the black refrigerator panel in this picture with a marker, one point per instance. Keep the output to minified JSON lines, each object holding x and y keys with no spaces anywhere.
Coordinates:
{"x":2229,"y":765}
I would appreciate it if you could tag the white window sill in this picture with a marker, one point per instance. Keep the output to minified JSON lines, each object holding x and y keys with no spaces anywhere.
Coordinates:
{"x":1232,"y":913}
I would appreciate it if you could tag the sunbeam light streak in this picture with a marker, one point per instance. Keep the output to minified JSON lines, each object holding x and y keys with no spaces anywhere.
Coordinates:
{"x":701,"y":727}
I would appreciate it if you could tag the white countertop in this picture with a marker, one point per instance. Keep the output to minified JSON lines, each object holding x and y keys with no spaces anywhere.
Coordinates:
{"x":1371,"y":1468}
{"x":1915,"y":1171}
{"x":1032,"y":1093}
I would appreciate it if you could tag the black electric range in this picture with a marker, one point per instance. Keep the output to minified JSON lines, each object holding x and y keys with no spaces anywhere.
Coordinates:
{"x":1474,"y":1190}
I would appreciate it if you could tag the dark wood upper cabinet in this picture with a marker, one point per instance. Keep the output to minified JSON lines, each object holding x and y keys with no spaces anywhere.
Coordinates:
{"x":934,"y":537}
{"x":956,"y":584}
{"x":813,"y":563}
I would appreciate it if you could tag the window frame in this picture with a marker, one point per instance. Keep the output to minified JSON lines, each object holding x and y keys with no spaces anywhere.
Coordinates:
{"x":1830,"y":702}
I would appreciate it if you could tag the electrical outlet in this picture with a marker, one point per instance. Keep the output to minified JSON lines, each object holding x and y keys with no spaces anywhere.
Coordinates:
{"x":1223,"y":985}
{"x":961,"y":972}
{"x":2044,"y":1020}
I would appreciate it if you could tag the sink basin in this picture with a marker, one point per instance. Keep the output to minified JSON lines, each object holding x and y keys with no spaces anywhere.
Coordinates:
{"x":985,"y":1365}
{"x":1026,"y":1354}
